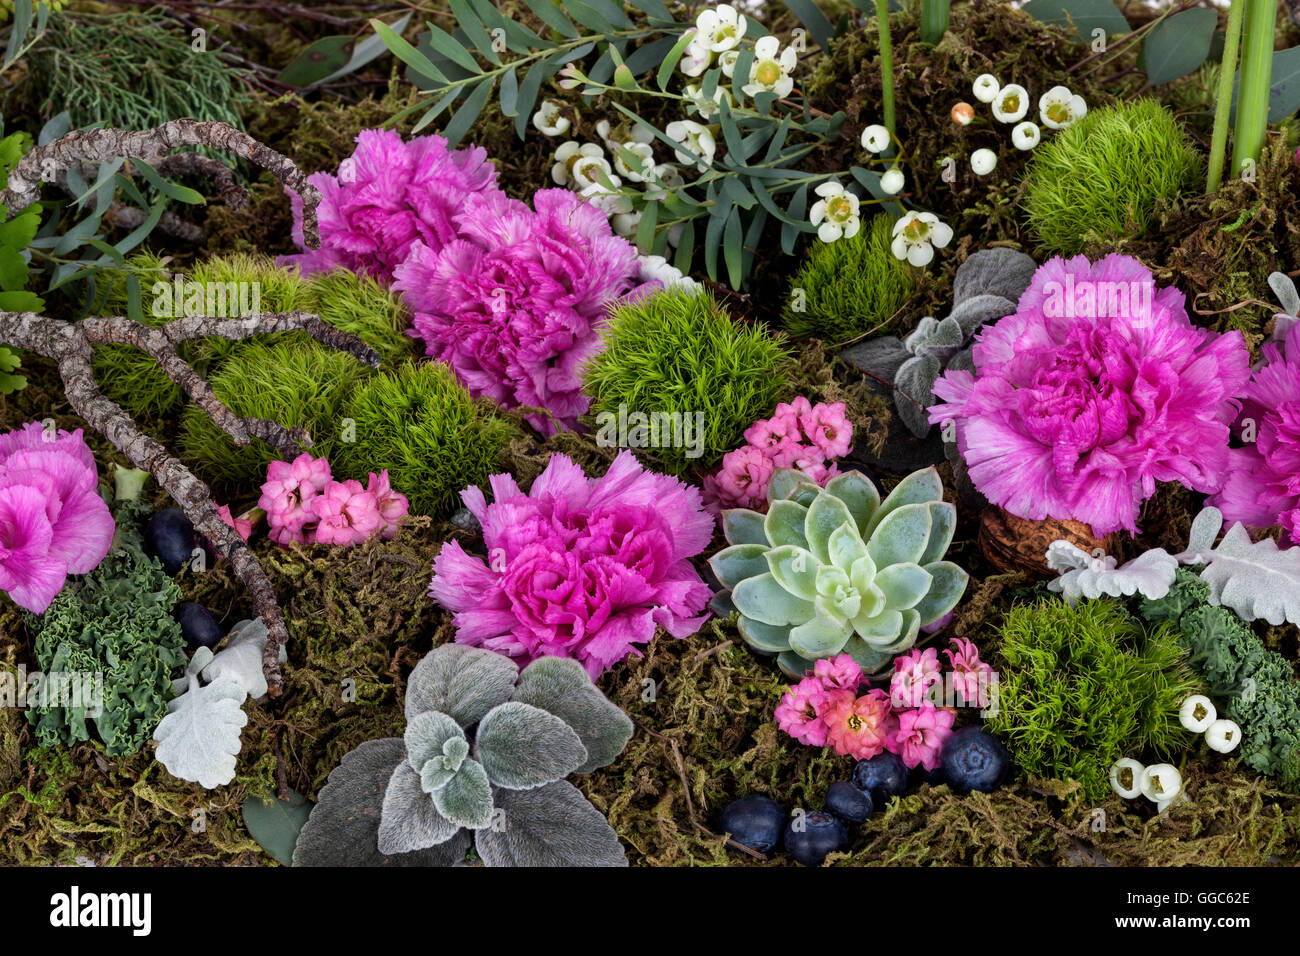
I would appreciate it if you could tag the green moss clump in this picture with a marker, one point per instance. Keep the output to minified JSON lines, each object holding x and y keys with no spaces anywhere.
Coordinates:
{"x":850,"y":288}
{"x":1081,"y":687}
{"x":364,"y":307}
{"x":1099,"y":181}
{"x":679,"y":352}
{"x":421,"y":425}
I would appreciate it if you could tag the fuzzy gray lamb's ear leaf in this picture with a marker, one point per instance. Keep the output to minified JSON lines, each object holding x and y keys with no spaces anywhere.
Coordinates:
{"x":553,"y":825}
{"x":915,"y":384}
{"x":462,"y":682}
{"x":522,"y":747}
{"x":427,"y":734}
{"x":343,"y":829}
{"x":467,"y":798}
{"x":560,"y":686}
{"x":1283,"y":287}
{"x":409,"y":821}
{"x":997,"y":271}
{"x":977,"y":310}
{"x":880,"y":356}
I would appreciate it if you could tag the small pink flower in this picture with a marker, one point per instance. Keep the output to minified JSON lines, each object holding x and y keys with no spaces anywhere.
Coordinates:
{"x":393,"y":506}
{"x":842,"y":672}
{"x":742,"y":481}
{"x":915,"y":673}
{"x":856,"y":727}
{"x":771,"y":435}
{"x":921,"y":735}
{"x":242,"y":526}
{"x":971,"y":676}
{"x":799,"y":713}
{"x":828,"y":429}
{"x":347,"y":514}
{"x":290,"y":485}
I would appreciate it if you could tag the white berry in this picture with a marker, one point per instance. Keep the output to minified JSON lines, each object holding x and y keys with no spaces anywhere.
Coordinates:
{"x":1126,"y":777}
{"x":1223,"y":736}
{"x":1197,"y":713}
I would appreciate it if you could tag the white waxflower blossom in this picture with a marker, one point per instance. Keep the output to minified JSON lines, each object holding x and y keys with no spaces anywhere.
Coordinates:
{"x":1059,"y":108}
{"x":728,"y":62}
{"x":875,"y":138}
{"x":771,"y":70}
{"x":695,"y":137}
{"x":661,"y":180}
{"x":592,"y":171}
{"x":567,"y":155}
{"x":1011,"y":104}
{"x":548,"y":120}
{"x":917,"y":235}
{"x":1223,"y":735}
{"x":1197,"y":713}
{"x":983,"y":161}
{"x":893,"y":181}
{"x":624,"y":223}
{"x":720,"y":28}
{"x":986,"y":87}
{"x":707,"y":108}
{"x":608,"y":200}
{"x":658,"y":269}
{"x":1026,"y":135}
{"x":836,"y":214}
{"x":697,"y":58}
{"x":641,"y":152}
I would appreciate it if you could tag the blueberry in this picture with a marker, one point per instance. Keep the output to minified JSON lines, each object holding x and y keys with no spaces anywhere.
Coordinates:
{"x":810,"y":837}
{"x":920,"y":775}
{"x":848,"y":802}
{"x":169,"y":536}
{"x":884,"y":776}
{"x":974,"y":760}
{"x":198,"y":626}
{"x":755,"y":822}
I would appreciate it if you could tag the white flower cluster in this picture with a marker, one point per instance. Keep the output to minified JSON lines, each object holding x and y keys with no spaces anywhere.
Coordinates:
{"x":718,"y":32}
{"x":1058,"y":108}
{"x":1161,"y":783}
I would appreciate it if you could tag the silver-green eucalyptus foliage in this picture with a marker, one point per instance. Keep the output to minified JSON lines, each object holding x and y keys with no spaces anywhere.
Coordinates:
{"x":486,"y":752}
{"x":836,"y":570}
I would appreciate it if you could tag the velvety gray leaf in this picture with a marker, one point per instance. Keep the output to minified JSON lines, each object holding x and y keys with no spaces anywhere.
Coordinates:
{"x":1283,"y":287}
{"x":915,"y":382}
{"x":467,"y":799}
{"x":561,"y":687}
{"x":522,"y":746}
{"x":553,"y":825}
{"x":971,"y":313}
{"x":425,"y":736}
{"x":343,"y":829}
{"x":963,"y":361}
{"x":921,"y":334}
{"x":409,"y":821}
{"x":998,"y":271}
{"x":880,"y":357}
{"x":462,"y":682}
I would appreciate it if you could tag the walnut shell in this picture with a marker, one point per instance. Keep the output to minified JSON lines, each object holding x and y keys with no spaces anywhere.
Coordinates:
{"x":1019,"y":544}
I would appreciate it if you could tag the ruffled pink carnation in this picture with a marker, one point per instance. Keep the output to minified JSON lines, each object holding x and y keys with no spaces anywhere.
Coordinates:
{"x":921,"y":734}
{"x":1082,"y":400}
{"x":52,"y":521}
{"x":516,"y":304}
{"x":1263,"y":483}
{"x":857,"y":727}
{"x":578,"y":567}
{"x":799,"y":713}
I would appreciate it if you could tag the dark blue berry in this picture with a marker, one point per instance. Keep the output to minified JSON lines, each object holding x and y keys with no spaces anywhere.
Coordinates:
{"x":169,"y":536}
{"x":811,"y":836}
{"x":884,"y":776}
{"x":755,"y":822}
{"x":974,"y":760}
{"x":198,"y":626}
{"x":848,"y":802}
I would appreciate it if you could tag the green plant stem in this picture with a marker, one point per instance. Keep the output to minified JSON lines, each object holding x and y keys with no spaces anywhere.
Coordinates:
{"x":886,"y":65}
{"x":1222,"y":109}
{"x":934,"y":20}
{"x":1253,"y":90}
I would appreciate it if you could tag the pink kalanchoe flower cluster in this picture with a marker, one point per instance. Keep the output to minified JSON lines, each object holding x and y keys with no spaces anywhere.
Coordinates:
{"x":1263,"y":483}
{"x":52,"y":521}
{"x":826,"y":708}
{"x":579,"y":567}
{"x":798,"y":435}
{"x":386,"y":196}
{"x":304,"y":504}
{"x":1096,"y":388}
{"x":515,"y":305}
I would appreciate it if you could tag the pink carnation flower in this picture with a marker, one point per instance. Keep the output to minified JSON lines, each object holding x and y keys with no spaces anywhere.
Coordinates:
{"x":516,"y":304}
{"x":388,"y":195}
{"x":971,"y":676}
{"x":578,"y":567}
{"x":856,"y":727}
{"x":915,"y":674}
{"x":393,"y":506}
{"x":1096,"y":388}
{"x":346,"y":514}
{"x":52,"y":521}
{"x":921,"y":735}
{"x":799,"y":713}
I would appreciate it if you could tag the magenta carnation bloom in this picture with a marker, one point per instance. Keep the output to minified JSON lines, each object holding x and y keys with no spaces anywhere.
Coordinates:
{"x":52,"y":521}
{"x":1097,"y":387}
{"x":1263,"y":483}
{"x":515,"y":305}
{"x":578,"y":567}
{"x":387,"y":195}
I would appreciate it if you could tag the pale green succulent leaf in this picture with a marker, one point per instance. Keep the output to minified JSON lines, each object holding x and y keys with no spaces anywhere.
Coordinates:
{"x":863,"y":572}
{"x":805,"y":493}
{"x":743,"y":526}
{"x":882,"y":629}
{"x":946,"y":589}
{"x":793,"y":665}
{"x":859,"y":494}
{"x":871,"y":659}
{"x":763,"y":599}
{"x":560,"y":686}
{"x":765,"y":638}
{"x":784,"y":481}
{"x":426,"y":735}
{"x":845,"y":546}
{"x":785,"y":524}
{"x":522,"y":746}
{"x":722,"y":605}
{"x":732,"y":565}
{"x":943,"y":524}
{"x":825,"y":515}
{"x":901,"y":536}
{"x":904,"y":585}
{"x":824,"y":636}
{"x":467,"y":800}
{"x":919,"y":487}
{"x":795,"y":569}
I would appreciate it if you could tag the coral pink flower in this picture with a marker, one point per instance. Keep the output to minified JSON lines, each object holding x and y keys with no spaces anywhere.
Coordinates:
{"x":52,"y":521}
{"x":915,"y":674}
{"x":393,"y":506}
{"x":971,"y":676}
{"x":856,"y":727}
{"x":346,"y":514}
{"x":1096,"y":388}
{"x":840,"y":672}
{"x":921,"y":735}
{"x":799,"y":713}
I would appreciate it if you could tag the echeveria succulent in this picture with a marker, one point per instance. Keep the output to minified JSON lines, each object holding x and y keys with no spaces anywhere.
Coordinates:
{"x":836,"y":570}
{"x":486,"y":749}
